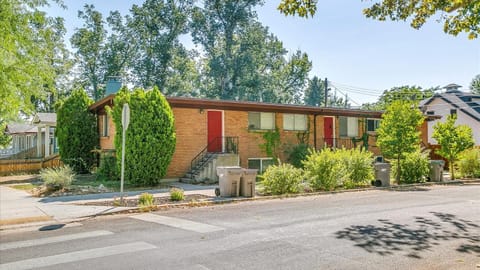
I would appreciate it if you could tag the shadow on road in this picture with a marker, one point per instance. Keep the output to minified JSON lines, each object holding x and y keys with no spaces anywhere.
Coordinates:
{"x":388,"y":237}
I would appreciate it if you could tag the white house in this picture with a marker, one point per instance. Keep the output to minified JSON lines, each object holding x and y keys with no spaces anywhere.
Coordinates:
{"x":453,"y":101}
{"x":29,"y":140}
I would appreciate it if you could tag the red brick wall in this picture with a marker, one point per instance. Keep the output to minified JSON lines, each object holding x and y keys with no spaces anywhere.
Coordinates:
{"x":191,"y":134}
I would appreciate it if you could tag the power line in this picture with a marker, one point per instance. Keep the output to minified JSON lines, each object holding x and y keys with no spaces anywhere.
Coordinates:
{"x":345,"y":95}
{"x":359,"y":88}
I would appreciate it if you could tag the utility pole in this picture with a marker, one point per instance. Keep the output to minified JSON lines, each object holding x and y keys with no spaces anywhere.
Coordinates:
{"x":326,"y":92}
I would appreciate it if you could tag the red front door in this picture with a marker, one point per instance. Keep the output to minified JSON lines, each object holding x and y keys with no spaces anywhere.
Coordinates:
{"x":328,"y":131}
{"x":214,"y":125}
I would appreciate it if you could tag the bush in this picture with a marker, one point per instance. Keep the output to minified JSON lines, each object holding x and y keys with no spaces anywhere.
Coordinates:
{"x":77,"y":132}
{"x":108,"y":167}
{"x":281,"y":179}
{"x":57,"y":178}
{"x":359,"y":167}
{"x":414,"y":167}
{"x":327,"y":169}
{"x":324,"y":169}
{"x":469,"y":163}
{"x":176,"y":194}
{"x":145,"y":200}
{"x":297,"y":154}
{"x":150,"y":137}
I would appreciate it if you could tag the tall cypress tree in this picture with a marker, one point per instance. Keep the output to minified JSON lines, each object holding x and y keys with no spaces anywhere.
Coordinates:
{"x":77,"y":131}
{"x":150,"y":137}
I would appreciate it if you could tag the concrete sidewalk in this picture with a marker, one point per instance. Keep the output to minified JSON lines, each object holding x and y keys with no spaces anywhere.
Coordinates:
{"x":18,"y":208}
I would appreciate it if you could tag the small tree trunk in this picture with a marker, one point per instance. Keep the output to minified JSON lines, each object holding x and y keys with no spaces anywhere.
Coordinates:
{"x":397,"y":177}
{"x":452,"y":173}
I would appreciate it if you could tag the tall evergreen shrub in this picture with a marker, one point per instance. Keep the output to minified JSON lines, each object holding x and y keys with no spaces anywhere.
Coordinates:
{"x":77,"y":131}
{"x":150,"y":138}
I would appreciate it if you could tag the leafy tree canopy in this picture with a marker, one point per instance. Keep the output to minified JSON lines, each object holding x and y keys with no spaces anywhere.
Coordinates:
{"x":27,"y":36}
{"x":475,"y":85}
{"x":398,"y":132}
{"x":408,"y":93}
{"x":457,"y":16}
{"x":452,"y":139}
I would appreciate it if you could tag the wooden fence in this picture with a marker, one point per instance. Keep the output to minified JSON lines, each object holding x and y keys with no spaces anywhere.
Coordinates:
{"x":17,"y":166}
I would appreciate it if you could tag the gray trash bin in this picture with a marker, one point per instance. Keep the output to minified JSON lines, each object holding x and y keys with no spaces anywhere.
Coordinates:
{"x":382,"y":174}
{"x":247,"y":182}
{"x":436,"y":170}
{"x":229,"y":181}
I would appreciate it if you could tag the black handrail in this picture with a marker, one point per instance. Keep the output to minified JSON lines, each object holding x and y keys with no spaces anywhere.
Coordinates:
{"x":228,"y":144}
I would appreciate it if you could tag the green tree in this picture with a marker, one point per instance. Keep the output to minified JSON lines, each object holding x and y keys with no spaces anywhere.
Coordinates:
{"x":150,"y":137}
{"x":452,"y":140}
{"x":156,"y":26}
{"x":315,"y":92}
{"x":244,"y":60}
{"x":475,"y":85}
{"x":24,"y":68}
{"x":411,"y":93}
{"x":293,"y":78}
{"x":458,"y":16}
{"x":398,"y":133}
{"x":120,"y":46}
{"x":77,"y":131}
{"x":216,"y":26}
{"x":59,"y":58}
{"x":89,"y":42}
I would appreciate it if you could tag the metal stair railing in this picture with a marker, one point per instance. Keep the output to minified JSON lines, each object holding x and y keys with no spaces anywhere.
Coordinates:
{"x":229,"y":146}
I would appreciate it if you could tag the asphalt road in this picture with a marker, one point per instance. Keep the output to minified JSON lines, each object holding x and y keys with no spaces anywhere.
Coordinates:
{"x":430,"y":228}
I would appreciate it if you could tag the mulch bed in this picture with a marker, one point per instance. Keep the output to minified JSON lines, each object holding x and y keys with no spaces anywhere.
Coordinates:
{"x":158,"y":201}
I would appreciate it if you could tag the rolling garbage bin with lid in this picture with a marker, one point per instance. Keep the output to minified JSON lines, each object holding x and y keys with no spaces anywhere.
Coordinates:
{"x":436,"y":170}
{"x":382,"y":174}
{"x":247,"y":182}
{"x":229,"y":181}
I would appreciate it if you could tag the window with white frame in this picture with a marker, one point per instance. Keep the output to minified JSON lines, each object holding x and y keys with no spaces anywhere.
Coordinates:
{"x":105,"y":125}
{"x":295,"y":122}
{"x":372,"y":124}
{"x":348,"y":126}
{"x":261,"y":164}
{"x":261,"y":120}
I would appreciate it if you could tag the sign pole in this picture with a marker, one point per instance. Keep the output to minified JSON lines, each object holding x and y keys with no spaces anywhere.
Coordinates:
{"x":125,"y":122}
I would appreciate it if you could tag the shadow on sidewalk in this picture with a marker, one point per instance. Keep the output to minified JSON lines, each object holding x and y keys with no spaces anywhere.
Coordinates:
{"x":389,"y":238}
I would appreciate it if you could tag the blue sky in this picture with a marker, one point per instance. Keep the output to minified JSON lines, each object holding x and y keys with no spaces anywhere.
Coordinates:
{"x":360,"y":56}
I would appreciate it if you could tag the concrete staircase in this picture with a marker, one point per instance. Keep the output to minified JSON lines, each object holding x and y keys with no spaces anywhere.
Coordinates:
{"x":206,"y":169}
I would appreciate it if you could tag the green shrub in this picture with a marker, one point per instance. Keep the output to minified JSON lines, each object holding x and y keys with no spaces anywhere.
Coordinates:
{"x":414,"y":167}
{"x":108,"y":167}
{"x":297,"y":154}
{"x":145,"y":199}
{"x":469,"y":163}
{"x":325,"y":169}
{"x":281,"y":179}
{"x":359,"y":167}
{"x":150,"y":137}
{"x":77,"y":132}
{"x":176,"y":194}
{"x":57,"y":178}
